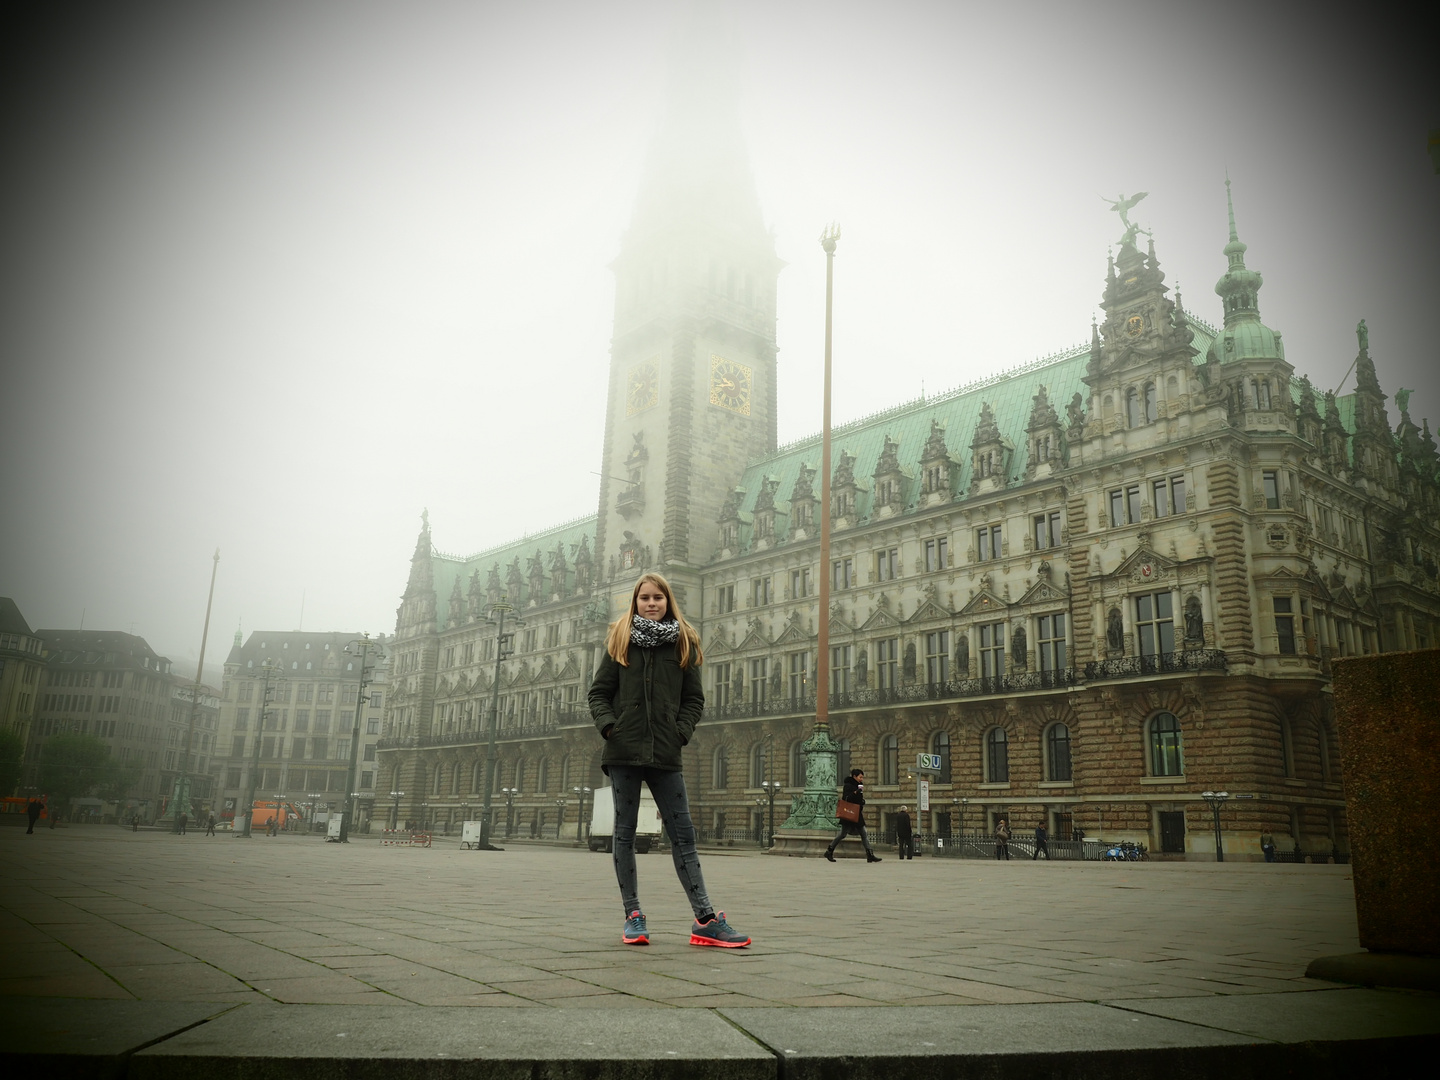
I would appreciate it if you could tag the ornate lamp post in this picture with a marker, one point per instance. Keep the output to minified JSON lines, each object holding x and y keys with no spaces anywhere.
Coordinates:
{"x":347,"y":814}
{"x":772,"y":789}
{"x":395,"y":810}
{"x":559,"y":816}
{"x":504,"y":646}
{"x":271,"y":670}
{"x":1216,"y":799}
{"x":279,"y":805}
{"x":509,"y":793}
{"x":580,"y":815}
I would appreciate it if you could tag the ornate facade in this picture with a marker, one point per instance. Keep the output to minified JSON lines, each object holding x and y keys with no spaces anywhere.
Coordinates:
{"x":1098,"y":584}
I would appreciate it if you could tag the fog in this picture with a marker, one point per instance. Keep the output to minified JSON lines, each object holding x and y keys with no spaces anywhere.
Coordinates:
{"x":278,"y":277}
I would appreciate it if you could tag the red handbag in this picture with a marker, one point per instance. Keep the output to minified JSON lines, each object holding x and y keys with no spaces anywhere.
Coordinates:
{"x":848,"y":811}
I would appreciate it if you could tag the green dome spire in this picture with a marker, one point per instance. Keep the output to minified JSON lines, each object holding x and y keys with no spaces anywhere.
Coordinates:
{"x":1245,"y":336}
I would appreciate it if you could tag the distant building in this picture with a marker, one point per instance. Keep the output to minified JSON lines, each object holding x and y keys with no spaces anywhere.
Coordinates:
{"x":305,"y":732}
{"x":22,"y":663}
{"x":1096,"y":585}
{"x":114,"y":686}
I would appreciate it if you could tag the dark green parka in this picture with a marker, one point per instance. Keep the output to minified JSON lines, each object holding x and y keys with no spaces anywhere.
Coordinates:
{"x":654,"y":705}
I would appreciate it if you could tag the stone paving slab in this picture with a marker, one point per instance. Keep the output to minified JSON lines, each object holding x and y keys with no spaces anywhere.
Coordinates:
{"x":1324,"y":1016}
{"x":59,"y":1038}
{"x":317,"y":1042}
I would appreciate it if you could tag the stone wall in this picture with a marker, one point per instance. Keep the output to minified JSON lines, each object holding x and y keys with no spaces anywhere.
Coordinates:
{"x":1389,"y":731}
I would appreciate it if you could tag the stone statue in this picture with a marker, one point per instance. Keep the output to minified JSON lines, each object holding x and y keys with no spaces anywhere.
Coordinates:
{"x":910,"y":661}
{"x":1194,"y":621}
{"x":1075,"y":411}
{"x":862,"y":670}
{"x":1114,"y":630}
{"x":1402,"y":399}
{"x":962,"y":655}
{"x":737,"y":684}
{"x":1363,"y":333}
{"x":1017,"y":648}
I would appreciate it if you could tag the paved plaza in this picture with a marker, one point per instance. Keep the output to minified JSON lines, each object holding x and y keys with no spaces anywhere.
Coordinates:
{"x":150,"y":920}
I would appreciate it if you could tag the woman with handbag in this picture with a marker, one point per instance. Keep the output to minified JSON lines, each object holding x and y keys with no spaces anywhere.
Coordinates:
{"x":851,"y":812}
{"x":646,"y":700}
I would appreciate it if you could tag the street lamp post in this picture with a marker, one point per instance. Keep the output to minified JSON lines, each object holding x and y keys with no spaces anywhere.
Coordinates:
{"x":395,"y":810}
{"x":271,"y":669}
{"x":347,"y":815}
{"x":772,"y":789}
{"x":559,"y":817}
{"x":279,"y":802}
{"x":509,"y":793}
{"x":503,"y":647}
{"x":580,"y":815}
{"x":1216,"y":799}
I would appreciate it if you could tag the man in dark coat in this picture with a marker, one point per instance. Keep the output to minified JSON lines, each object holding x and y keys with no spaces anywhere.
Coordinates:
{"x":1040,"y":847}
{"x":32,"y":811}
{"x":904,"y":838}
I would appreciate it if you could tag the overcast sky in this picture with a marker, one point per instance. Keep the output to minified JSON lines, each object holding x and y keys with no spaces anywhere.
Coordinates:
{"x":277,"y":277}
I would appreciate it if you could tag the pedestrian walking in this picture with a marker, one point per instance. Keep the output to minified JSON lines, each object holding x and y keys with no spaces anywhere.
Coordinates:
{"x":210,"y":825}
{"x":646,"y":700}
{"x":33,"y":809}
{"x":184,"y":819}
{"x":904,"y":837}
{"x":135,"y":822}
{"x":1267,"y":846}
{"x":1002,"y":840}
{"x":1040,"y":846}
{"x":271,"y":828}
{"x":853,"y":792}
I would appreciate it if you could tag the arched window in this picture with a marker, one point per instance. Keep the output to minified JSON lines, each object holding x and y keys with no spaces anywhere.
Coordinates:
{"x":1152,"y":404}
{"x":455,"y":779}
{"x":1287,"y":748}
{"x":477,"y":776}
{"x":435,"y":787}
{"x":1166,"y":756}
{"x":565,"y":772}
{"x":720,"y":768}
{"x":1132,"y":408}
{"x":797,"y":764}
{"x":842,"y":759}
{"x":940,"y":744}
{"x":542,"y":779}
{"x":997,"y":757}
{"x":889,"y":760}
{"x":1322,"y":741}
{"x":1057,"y":753}
{"x":519,"y":777}
{"x":757,"y":764}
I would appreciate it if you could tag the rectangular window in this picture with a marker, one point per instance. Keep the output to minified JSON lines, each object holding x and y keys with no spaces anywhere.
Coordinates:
{"x":887,"y":663}
{"x":1271,"y":479}
{"x":937,"y":554}
{"x":1132,"y":503}
{"x":842,"y":574}
{"x":987,"y":542}
{"x":302,"y":719}
{"x":267,"y":747}
{"x":297,"y":748}
{"x":319,"y":749}
{"x":937,"y":657}
{"x":1155,"y":623}
{"x":372,"y":726}
{"x":325,"y":695}
{"x":799,"y":674}
{"x":759,"y":690}
{"x":242,"y":719}
{"x":552,"y":636}
{"x":449,"y":656}
{"x":720,"y":688}
{"x":992,"y":650}
{"x":238,"y":748}
{"x":725,"y":599}
{"x":841,"y":674}
{"x":1285,"y":625}
{"x":528,"y":640}
{"x":369,"y":756}
{"x":887,"y":564}
{"x":800,"y":583}
{"x":1169,"y":496}
{"x":761,"y":592}
{"x":1047,"y":531}
{"x":322,"y":721}
{"x":1050,"y":642}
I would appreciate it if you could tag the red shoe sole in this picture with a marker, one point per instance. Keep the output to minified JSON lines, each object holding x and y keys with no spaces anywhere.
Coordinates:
{"x":634,"y":940}
{"x":696,"y":939}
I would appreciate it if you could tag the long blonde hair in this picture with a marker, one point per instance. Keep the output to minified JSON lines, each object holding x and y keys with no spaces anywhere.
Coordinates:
{"x":617,"y":641}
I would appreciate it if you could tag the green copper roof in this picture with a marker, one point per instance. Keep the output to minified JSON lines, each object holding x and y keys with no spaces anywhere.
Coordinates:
{"x":1009,"y":394}
{"x":448,"y":568}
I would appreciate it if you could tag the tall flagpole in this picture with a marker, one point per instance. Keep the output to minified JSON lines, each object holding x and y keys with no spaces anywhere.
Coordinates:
{"x":181,"y":802}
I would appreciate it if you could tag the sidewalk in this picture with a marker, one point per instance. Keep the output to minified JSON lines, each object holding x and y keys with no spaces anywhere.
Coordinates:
{"x":183,"y":951}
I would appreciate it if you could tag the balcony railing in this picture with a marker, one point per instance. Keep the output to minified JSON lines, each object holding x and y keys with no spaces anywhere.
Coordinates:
{"x":1156,"y":664}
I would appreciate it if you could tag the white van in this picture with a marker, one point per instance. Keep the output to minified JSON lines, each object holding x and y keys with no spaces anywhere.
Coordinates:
{"x":602,"y":821}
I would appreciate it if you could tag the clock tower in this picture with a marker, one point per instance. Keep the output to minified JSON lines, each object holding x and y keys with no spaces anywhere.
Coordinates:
{"x":691,"y":397}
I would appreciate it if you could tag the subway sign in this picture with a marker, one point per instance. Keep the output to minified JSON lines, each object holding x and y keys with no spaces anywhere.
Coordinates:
{"x":928,"y":763}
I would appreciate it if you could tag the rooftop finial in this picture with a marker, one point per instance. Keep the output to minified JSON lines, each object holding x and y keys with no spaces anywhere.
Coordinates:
{"x":1229,"y":202}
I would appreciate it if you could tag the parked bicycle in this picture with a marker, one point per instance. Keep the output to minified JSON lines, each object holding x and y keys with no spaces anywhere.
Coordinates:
{"x":1126,"y":851}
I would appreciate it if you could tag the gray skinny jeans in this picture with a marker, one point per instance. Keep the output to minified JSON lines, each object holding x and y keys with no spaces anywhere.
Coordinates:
{"x":669,"y":790}
{"x":851,"y":829}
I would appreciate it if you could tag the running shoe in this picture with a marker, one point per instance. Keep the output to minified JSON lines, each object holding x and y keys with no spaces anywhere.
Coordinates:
{"x":718,"y":932}
{"x":635,"y":932}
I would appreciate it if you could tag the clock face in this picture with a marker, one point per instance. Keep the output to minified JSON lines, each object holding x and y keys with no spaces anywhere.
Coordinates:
{"x":730,"y":385}
{"x":1135,"y":325}
{"x":642,"y":387}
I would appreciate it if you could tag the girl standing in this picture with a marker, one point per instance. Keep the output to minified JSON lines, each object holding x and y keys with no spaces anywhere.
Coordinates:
{"x":646,"y":700}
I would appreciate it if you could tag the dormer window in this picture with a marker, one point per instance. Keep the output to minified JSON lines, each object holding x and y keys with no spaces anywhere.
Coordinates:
{"x":1260,"y":392}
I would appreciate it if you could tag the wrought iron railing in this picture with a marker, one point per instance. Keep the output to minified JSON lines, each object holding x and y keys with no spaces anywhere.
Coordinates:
{"x":471,"y":736}
{"x":1156,"y":664}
